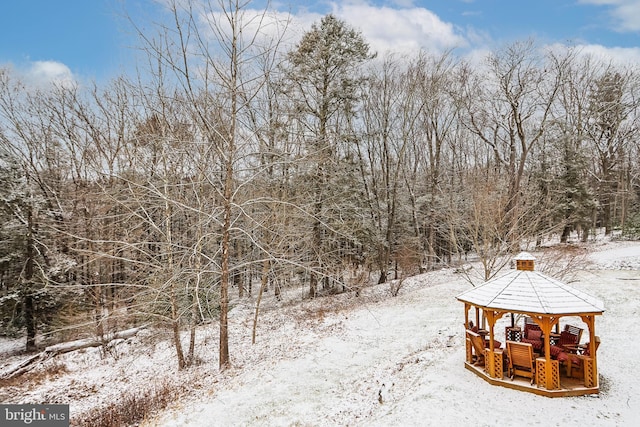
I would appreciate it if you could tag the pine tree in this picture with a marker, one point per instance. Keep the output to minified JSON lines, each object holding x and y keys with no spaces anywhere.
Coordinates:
{"x":324,"y":84}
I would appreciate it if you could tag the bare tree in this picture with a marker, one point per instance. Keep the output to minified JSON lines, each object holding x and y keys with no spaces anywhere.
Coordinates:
{"x":508,"y":108}
{"x":210,"y":52}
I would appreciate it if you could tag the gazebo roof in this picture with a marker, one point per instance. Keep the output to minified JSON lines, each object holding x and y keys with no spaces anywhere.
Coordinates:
{"x":531,"y":292}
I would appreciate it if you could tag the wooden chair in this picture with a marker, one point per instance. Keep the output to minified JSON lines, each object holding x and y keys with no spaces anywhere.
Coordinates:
{"x":522,"y":360}
{"x":532,"y":334}
{"x":478,"y":347}
{"x":575,"y":362}
{"x":570,"y":338}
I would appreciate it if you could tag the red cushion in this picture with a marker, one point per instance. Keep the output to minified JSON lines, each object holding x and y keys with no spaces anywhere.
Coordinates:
{"x":534,"y":334}
{"x":558,"y":353}
{"x":554,"y":350}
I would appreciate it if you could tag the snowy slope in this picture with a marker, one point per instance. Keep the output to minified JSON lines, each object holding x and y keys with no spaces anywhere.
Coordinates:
{"x":374,"y":360}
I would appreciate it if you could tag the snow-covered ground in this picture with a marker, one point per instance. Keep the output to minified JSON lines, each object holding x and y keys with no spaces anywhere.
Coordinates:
{"x":375,"y":360}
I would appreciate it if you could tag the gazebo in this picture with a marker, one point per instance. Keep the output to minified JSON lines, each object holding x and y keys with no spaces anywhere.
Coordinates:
{"x":542,"y":301}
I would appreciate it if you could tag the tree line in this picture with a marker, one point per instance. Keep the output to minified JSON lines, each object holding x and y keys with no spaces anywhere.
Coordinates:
{"x":234,"y":161}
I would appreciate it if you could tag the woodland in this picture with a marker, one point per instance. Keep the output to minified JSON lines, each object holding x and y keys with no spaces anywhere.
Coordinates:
{"x":241,"y":159}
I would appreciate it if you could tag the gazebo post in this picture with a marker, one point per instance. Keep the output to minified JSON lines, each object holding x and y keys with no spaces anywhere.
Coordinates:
{"x":466,"y":315}
{"x":489,"y":356}
{"x":546,"y":330}
{"x":468,"y":346}
{"x":591,"y":380}
{"x":551,"y":372}
{"x":495,"y":358}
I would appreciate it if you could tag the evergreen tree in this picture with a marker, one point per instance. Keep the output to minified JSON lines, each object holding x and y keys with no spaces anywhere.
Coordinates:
{"x":325,"y":84}
{"x":26,"y":302}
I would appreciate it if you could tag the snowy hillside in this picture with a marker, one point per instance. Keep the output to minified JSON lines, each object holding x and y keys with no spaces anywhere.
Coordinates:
{"x":374,"y":360}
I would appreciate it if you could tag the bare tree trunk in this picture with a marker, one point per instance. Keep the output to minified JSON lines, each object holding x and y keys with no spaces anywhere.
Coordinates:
{"x":227,"y":201}
{"x":173,"y":300}
{"x":66,"y":347}
{"x":194,"y":297}
{"x":317,"y":242}
{"x":29,"y":309}
{"x":263,"y":285}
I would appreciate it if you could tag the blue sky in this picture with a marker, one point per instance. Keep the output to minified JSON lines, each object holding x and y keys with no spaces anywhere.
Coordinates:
{"x":84,"y":35}
{"x":90,"y":39}
{"x":591,"y":22}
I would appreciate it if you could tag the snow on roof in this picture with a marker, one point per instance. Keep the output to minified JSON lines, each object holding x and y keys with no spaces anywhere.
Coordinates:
{"x":531,"y":292}
{"x":524,"y":256}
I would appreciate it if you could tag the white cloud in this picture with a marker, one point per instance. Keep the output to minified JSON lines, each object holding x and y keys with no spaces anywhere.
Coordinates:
{"x":477,"y":58}
{"x":617,"y":56}
{"x":41,"y":74}
{"x":47,"y":72}
{"x":400,"y":30}
{"x":386,"y":29}
{"x":624,"y":56}
{"x":260,"y":28}
{"x":620,"y":56}
{"x":626,"y":13}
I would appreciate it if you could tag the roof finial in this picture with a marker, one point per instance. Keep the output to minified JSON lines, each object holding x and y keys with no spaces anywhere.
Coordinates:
{"x":524,"y":261}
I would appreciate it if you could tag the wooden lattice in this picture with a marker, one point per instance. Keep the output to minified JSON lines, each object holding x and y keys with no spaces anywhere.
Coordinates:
{"x":590,"y":379}
{"x":469,"y":351}
{"x":498,"y":367}
{"x":541,"y":378}
{"x":541,"y":373}
{"x":555,"y":373}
